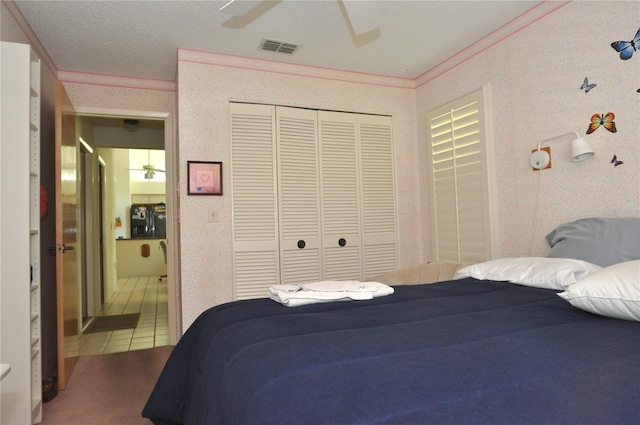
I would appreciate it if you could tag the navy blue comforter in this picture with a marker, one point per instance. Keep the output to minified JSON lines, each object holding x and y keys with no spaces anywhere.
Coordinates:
{"x":460,"y":352}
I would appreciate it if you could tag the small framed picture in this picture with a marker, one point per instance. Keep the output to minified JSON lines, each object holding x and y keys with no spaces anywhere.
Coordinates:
{"x":205,"y":178}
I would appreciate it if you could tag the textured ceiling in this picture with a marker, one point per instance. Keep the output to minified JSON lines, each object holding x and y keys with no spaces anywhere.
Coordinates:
{"x":141,"y":38}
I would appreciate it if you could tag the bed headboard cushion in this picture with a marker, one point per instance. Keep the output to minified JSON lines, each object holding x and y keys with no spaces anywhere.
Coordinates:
{"x":422,"y":273}
{"x":613,"y":291}
{"x":602,"y":241}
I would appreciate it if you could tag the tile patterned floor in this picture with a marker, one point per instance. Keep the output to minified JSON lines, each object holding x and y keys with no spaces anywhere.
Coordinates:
{"x":144,"y":294}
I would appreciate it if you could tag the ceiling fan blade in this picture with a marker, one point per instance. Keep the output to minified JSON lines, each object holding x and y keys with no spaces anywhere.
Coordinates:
{"x":150,"y":167}
{"x":239,"y":7}
{"x":362,"y":14}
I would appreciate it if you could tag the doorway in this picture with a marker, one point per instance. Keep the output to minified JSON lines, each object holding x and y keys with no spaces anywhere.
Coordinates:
{"x":102,"y":126}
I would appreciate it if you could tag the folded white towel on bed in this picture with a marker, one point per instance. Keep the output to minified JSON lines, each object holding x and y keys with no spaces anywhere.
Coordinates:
{"x":327,"y":291}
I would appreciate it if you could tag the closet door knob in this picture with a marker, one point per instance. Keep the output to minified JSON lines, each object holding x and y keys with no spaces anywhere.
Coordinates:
{"x":301,"y":244}
{"x":342,"y":241}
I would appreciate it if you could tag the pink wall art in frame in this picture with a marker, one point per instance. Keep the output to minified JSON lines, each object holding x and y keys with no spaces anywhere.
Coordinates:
{"x":205,"y":178}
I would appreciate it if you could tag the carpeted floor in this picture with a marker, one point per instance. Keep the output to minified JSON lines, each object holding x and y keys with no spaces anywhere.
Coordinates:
{"x":108,"y":389}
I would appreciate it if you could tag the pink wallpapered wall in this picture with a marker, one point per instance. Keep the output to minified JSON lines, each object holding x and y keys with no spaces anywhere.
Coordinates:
{"x":536,"y":75}
{"x":204,"y":95}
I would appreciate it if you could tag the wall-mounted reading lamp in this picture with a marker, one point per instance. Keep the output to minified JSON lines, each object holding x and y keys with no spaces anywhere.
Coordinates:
{"x":580,"y":150}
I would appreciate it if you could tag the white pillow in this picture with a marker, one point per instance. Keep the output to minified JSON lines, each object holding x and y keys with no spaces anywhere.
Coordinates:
{"x":613,"y":291}
{"x":541,"y":272}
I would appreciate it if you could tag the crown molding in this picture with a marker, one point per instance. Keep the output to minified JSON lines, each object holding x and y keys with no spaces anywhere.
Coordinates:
{"x":532,"y":15}
{"x":520,"y":22}
{"x":21,"y":21}
{"x":262,"y":65}
{"x":115,"y":81}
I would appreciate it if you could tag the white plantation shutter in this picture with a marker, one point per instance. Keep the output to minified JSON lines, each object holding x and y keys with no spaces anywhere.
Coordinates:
{"x":299,"y":195}
{"x":255,"y":212}
{"x":339,"y":176}
{"x":378,"y":194}
{"x":462,"y":182}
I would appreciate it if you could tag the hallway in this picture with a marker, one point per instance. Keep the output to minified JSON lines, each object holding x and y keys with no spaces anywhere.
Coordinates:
{"x":144,"y":294}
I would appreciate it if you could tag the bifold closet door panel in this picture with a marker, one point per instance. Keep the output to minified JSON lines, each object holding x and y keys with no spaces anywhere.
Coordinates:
{"x":313,"y":196}
{"x":339,"y":177}
{"x":379,"y":236}
{"x":299,"y":195}
{"x":255,"y":209}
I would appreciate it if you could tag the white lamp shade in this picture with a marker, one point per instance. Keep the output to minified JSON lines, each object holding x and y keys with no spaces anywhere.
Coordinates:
{"x":580,"y":150}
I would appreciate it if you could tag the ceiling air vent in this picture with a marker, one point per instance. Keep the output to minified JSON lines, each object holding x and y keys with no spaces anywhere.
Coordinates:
{"x":278,"y":46}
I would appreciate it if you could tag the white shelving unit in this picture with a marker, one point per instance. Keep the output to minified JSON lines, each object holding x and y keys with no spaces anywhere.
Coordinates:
{"x":21,"y":390}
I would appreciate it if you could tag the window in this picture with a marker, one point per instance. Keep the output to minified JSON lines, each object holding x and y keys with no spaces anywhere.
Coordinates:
{"x":462,"y":182}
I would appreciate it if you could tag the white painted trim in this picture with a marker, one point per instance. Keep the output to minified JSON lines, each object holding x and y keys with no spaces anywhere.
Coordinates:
{"x":121,"y":113}
{"x":115,"y":81}
{"x":492,"y":179}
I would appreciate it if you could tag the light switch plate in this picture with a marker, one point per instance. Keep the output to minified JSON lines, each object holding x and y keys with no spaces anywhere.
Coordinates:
{"x":213,"y":215}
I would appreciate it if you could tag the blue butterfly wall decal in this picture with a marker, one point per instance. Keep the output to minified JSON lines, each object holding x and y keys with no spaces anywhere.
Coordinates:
{"x":586,"y":86}
{"x":626,"y":48}
{"x":615,"y":161}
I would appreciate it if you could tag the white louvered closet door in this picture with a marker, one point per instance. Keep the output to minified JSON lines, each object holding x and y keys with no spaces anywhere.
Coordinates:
{"x":313,"y":196}
{"x":255,"y":209}
{"x":299,"y":196}
{"x":339,"y":177}
{"x":378,"y":194}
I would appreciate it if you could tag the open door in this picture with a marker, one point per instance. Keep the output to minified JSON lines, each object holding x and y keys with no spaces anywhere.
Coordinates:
{"x":67,"y":264}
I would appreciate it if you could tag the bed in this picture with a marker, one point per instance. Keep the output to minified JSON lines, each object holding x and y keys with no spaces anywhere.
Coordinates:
{"x":473,"y":350}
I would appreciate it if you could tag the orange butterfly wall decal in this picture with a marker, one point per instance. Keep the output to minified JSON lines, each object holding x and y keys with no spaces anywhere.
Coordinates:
{"x":605,"y":120}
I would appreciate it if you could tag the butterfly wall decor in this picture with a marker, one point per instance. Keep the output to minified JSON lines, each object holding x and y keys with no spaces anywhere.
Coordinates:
{"x":586,"y":86}
{"x":605,"y":120}
{"x":626,"y":48}
{"x":615,"y":161}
